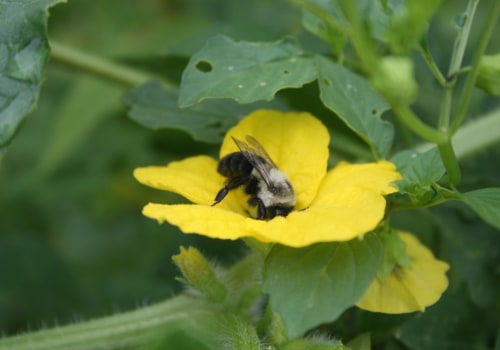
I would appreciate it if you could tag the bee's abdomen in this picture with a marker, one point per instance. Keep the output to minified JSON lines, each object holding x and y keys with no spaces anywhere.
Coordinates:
{"x":234,"y":165}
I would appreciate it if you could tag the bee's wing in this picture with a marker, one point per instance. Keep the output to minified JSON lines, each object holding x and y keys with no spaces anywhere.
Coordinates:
{"x":258,"y":157}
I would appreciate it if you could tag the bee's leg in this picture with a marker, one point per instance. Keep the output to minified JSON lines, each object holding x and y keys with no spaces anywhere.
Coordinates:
{"x":228,"y":186}
{"x":220,"y":195}
{"x":261,"y":209}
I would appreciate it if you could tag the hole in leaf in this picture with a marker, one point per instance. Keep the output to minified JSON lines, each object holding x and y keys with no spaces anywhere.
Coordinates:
{"x":204,"y":66}
{"x":286,"y":71}
{"x":374,"y":111}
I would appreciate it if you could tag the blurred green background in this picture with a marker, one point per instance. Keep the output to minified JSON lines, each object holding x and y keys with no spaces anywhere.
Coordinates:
{"x":73,"y":243}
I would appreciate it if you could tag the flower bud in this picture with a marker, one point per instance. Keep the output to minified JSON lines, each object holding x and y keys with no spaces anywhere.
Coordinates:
{"x":199,"y":274}
{"x":395,"y":80}
{"x":488,"y":77}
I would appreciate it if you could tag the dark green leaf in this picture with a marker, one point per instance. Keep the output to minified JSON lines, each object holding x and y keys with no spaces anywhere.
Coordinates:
{"x":316,"y":284}
{"x":486,"y":203}
{"x":352,"y":98}
{"x":471,"y":248}
{"x":155,"y":107}
{"x":446,"y":326}
{"x":23,"y":57}
{"x":419,"y":171}
{"x":244,"y":71}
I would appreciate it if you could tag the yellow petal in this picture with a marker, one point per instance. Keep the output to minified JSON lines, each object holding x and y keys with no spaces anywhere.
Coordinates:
{"x":359,"y":213}
{"x":299,"y":229}
{"x":408,"y":290}
{"x":375,"y":177}
{"x":296,"y":142}
{"x":194,"y":178}
{"x":213,"y":222}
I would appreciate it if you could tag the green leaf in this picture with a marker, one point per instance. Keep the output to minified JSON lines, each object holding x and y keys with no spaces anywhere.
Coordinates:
{"x":244,"y":71}
{"x":409,"y":22}
{"x":352,"y":98}
{"x":324,"y":19}
{"x":23,"y":58}
{"x":155,"y":107}
{"x":486,"y":203}
{"x":471,"y":248}
{"x":419,"y":171}
{"x":316,"y":284}
{"x":447,"y":325}
{"x":488,"y":77}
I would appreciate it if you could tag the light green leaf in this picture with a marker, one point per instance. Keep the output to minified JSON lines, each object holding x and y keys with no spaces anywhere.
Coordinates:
{"x":155,"y":107}
{"x":419,"y":171}
{"x":244,"y":71}
{"x":316,"y":284}
{"x":325,"y":19}
{"x":486,"y":203}
{"x":23,"y":58}
{"x":353,"y":99}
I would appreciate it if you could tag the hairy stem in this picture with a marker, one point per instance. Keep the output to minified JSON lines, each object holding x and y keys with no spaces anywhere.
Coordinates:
{"x":119,"y":331}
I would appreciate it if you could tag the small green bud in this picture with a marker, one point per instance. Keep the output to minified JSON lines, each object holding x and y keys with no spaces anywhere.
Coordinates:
{"x":488,"y":77}
{"x":199,"y":274}
{"x":394,"y":254}
{"x":394,"y":78}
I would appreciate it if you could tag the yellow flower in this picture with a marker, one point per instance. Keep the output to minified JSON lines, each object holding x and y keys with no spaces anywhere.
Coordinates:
{"x":408,"y":289}
{"x":337,"y":205}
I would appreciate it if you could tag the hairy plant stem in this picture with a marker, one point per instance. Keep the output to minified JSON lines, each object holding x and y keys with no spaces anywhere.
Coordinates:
{"x":124,"y":330}
{"x":99,"y":66}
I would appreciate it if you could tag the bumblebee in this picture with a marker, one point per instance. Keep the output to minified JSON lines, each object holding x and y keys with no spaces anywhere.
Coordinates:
{"x":269,"y":189}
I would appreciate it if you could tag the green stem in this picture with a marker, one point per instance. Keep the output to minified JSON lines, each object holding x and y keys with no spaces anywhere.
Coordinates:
{"x":450,"y":162}
{"x":445,"y":111}
{"x":429,"y":60}
{"x":123,"y":330}
{"x":461,"y":41}
{"x":420,"y":128}
{"x":446,"y":149}
{"x":99,"y":66}
{"x":466,"y":141}
{"x":491,"y":21}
